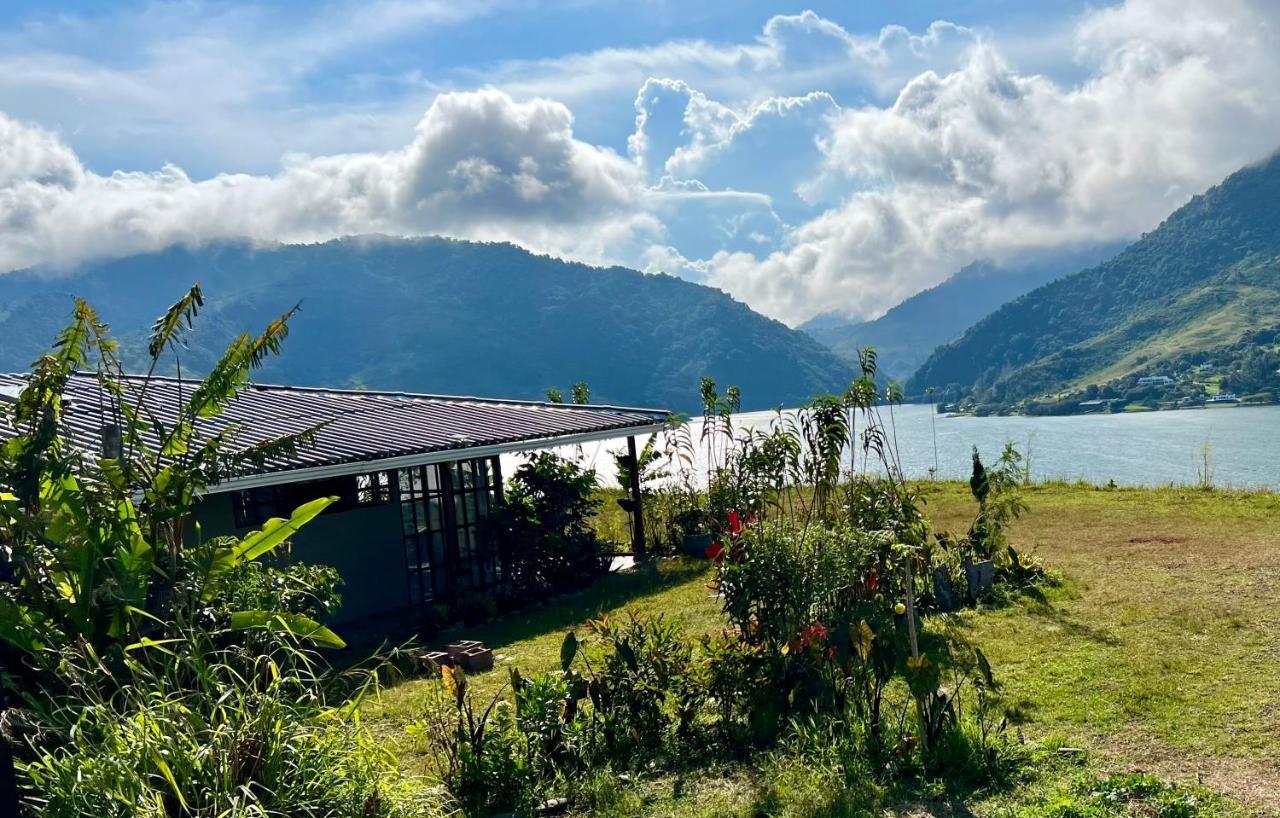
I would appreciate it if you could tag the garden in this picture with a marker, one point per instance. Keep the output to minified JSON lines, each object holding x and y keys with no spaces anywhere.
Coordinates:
{"x":805,"y":635}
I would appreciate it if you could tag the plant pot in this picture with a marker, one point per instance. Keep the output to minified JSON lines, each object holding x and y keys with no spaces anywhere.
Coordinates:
{"x":696,"y":545}
{"x":981,"y":577}
{"x":943,"y":593}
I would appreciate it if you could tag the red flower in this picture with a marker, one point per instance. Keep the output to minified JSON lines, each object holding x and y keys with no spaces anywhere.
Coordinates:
{"x":735,"y":524}
{"x":716,"y":552}
{"x":814,"y":634}
{"x":873,"y":581}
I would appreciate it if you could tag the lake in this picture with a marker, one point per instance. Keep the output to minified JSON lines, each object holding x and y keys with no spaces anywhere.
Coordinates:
{"x":1137,"y":449}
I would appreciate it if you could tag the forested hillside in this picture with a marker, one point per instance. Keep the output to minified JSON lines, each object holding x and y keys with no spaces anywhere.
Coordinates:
{"x":1202,"y":281}
{"x":441,"y":316}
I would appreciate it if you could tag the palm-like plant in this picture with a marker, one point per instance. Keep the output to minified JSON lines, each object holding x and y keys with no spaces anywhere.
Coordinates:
{"x":97,"y":545}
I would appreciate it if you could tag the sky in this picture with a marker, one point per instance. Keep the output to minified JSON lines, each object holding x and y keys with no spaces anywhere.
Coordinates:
{"x":806,"y":158}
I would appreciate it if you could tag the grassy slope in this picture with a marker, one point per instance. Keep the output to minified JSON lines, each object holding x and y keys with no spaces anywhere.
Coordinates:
{"x":1160,"y":652}
{"x":1215,"y":315}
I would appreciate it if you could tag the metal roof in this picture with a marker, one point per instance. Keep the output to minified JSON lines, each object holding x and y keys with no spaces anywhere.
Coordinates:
{"x":364,"y":431}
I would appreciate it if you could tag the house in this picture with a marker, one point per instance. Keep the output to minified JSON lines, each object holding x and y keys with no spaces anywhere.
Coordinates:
{"x":1154,"y":380}
{"x":417,"y":476}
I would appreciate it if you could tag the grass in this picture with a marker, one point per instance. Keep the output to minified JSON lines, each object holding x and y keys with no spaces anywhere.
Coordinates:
{"x":1160,"y":652}
{"x":531,"y":639}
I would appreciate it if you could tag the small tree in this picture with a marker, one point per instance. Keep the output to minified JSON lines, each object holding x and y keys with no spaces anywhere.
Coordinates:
{"x":548,"y":543}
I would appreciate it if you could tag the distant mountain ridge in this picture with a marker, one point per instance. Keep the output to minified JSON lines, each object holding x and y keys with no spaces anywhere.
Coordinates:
{"x":439,"y":315}
{"x":907,"y":334}
{"x":1203,"y":280}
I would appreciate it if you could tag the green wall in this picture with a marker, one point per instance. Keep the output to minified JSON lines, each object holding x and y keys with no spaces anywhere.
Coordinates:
{"x":364,"y":544}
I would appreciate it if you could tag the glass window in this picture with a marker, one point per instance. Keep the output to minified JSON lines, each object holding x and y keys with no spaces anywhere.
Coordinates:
{"x":253,"y":507}
{"x":373,"y":489}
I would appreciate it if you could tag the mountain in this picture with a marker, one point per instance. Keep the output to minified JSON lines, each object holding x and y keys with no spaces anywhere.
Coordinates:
{"x":439,"y":315}
{"x":1205,"y":280}
{"x":905,"y":335}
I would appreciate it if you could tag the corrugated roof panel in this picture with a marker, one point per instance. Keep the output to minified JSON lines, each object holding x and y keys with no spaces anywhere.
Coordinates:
{"x":361,"y":426}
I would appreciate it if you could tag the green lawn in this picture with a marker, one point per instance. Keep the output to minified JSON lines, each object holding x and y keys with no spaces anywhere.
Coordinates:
{"x":1160,"y":652}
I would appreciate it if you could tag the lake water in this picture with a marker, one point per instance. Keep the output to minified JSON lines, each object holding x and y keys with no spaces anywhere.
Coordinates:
{"x":1147,"y":449}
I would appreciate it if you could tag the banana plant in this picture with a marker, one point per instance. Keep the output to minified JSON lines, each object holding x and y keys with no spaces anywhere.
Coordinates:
{"x":95,"y":547}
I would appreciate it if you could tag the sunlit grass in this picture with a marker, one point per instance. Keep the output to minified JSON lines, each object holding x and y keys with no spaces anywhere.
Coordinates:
{"x":1160,"y":650}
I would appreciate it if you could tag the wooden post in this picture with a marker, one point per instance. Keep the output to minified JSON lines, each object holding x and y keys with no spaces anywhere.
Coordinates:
{"x":637,"y":511}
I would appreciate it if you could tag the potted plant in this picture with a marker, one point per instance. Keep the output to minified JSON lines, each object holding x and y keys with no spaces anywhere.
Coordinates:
{"x":695,"y":528}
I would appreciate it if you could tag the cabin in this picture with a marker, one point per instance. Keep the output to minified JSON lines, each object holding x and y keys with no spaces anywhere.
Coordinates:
{"x":417,"y":476}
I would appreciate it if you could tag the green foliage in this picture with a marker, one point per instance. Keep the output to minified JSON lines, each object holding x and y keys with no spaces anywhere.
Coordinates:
{"x":1131,"y":794}
{"x":206,"y":731}
{"x":644,"y":686}
{"x":296,"y":588}
{"x":476,"y":748}
{"x":1000,"y":502}
{"x":783,"y":579}
{"x":160,"y":673}
{"x":98,"y":545}
{"x":545,"y":533}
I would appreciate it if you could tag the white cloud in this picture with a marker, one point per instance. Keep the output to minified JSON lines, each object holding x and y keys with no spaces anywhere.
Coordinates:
{"x":480,"y":166}
{"x":987,"y":162}
{"x":806,"y":170}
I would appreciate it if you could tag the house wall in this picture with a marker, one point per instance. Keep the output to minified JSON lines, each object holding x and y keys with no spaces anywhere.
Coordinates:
{"x":365,"y":545}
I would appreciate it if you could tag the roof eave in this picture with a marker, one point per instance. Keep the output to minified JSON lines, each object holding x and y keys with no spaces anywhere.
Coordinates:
{"x":251,"y":481}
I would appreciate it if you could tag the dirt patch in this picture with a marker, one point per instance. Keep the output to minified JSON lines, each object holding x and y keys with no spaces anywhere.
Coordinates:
{"x":1157,"y":540}
{"x":1253,"y":783}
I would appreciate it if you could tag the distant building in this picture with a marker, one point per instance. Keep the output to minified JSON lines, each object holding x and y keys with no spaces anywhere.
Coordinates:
{"x":1154,"y":380}
{"x":1225,"y":397}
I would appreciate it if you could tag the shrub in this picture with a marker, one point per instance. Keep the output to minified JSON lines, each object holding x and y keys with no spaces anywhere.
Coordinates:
{"x":476,"y":750}
{"x":298,"y":588}
{"x":644,"y":685}
{"x":547,"y":542}
{"x":207,"y":732}
{"x":161,"y":674}
{"x":746,"y":683}
{"x":776,"y":580}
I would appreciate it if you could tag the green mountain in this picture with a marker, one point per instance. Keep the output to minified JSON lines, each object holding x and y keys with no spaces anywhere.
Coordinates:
{"x":905,"y":335}
{"x":1204,"y":281}
{"x":437,"y":315}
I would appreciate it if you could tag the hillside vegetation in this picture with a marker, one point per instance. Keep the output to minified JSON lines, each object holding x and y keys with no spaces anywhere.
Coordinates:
{"x":437,"y":315}
{"x":1200,"y":284}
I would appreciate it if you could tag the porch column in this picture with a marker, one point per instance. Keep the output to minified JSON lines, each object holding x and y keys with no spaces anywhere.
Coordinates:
{"x":637,"y":513}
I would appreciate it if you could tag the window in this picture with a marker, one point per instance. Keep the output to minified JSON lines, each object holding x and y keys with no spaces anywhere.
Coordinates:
{"x":445,"y":510}
{"x":253,"y":507}
{"x":421,"y":504}
{"x":373,"y":489}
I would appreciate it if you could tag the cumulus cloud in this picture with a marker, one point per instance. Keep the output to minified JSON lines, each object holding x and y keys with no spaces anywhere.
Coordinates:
{"x":807,"y":170}
{"x":987,"y":162}
{"x":480,"y":165}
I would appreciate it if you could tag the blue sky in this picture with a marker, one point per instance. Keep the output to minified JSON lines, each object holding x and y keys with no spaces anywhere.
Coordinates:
{"x":805,"y":157}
